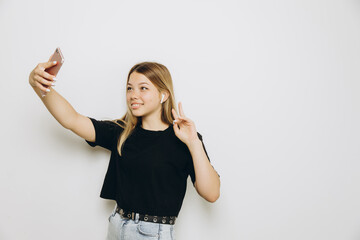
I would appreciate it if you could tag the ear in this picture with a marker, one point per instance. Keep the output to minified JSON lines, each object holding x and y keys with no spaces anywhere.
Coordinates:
{"x":166,"y":95}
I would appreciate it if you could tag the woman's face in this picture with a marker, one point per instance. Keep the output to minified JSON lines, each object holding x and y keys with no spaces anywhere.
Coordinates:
{"x":142,"y":91}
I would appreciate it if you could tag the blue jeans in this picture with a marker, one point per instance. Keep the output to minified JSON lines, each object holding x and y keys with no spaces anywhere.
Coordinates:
{"x":127,"y":229}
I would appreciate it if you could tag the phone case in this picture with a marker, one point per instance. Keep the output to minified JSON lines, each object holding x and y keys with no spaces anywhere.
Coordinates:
{"x":59,"y":58}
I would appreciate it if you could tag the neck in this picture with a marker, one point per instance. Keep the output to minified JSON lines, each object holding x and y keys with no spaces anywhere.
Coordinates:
{"x":154,"y":125}
{"x":153,"y":121}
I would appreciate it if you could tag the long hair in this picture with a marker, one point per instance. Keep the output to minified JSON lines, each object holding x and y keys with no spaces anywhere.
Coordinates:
{"x":160,"y":76}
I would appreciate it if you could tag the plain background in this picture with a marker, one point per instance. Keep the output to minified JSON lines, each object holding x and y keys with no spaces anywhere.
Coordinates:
{"x":273,"y":87}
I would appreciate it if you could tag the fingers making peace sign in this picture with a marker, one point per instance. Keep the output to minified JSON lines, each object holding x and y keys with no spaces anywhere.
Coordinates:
{"x":184,"y":127}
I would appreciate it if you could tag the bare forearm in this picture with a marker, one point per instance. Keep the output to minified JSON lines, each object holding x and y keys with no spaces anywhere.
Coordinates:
{"x":58,"y":106}
{"x":207,"y":179}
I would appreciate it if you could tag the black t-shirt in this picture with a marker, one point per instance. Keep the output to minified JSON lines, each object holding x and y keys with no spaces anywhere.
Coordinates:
{"x":151,"y":175}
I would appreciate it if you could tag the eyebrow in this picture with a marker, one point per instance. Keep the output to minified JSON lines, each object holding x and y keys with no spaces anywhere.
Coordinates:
{"x":139,"y":83}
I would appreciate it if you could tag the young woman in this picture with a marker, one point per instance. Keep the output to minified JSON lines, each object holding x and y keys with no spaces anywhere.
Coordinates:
{"x":153,"y":151}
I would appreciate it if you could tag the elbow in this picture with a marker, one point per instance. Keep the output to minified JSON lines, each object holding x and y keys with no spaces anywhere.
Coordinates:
{"x":210,"y":194}
{"x":69,"y":122}
{"x":215,"y":194}
{"x":213,"y":198}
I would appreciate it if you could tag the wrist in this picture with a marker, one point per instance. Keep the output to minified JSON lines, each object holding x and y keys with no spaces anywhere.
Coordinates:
{"x":194,"y":143}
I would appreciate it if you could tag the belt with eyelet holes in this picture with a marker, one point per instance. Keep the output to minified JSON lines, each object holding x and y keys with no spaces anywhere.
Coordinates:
{"x":147,"y":218}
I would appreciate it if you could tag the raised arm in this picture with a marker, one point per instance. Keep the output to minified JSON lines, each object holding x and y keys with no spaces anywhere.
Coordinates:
{"x":61,"y":109}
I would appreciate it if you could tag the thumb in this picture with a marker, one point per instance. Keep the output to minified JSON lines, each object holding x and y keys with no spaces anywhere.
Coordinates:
{"x":49,"y":64}
{"x":176,"y":128}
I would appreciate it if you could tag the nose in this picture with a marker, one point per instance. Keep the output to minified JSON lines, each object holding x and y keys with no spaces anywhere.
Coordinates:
{"x":133,"y":95}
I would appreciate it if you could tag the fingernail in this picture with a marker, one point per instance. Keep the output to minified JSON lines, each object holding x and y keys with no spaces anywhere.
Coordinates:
{"x":54,"y":62}
{"x":55,"y":79}
{"x":52,"y":84}
{"x":48,"y":90}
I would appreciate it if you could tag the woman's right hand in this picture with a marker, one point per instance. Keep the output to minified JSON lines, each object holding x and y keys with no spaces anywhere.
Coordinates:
{"x":40,"y":79}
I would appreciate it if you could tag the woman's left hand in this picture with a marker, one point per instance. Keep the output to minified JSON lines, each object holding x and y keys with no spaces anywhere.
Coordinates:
{"x":187,"y":132}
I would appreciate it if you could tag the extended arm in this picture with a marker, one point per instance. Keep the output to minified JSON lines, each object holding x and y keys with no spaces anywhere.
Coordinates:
{"x":59,"y":108}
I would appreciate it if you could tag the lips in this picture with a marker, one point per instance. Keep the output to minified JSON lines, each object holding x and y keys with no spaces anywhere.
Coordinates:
{"x":135,"y":105}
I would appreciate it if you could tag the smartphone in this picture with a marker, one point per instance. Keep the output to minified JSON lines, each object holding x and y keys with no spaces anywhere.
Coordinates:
{"x":59,"y":58}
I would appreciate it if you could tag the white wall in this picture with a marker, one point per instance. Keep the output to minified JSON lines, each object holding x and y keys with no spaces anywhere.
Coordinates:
{"x":273,"y":87}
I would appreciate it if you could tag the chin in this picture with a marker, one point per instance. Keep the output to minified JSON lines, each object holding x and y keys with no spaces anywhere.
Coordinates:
{"x":137,"y":114}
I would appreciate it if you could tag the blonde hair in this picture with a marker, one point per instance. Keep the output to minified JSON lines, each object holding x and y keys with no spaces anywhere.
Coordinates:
{"x":160,"y":76}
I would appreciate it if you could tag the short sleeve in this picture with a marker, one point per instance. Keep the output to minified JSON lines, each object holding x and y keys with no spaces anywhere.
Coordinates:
{"x":106,"y":133}
{"x":191,"y":164}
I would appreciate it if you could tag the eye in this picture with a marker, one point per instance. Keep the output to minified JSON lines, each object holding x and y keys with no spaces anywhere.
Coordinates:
{"x":141,"y":88}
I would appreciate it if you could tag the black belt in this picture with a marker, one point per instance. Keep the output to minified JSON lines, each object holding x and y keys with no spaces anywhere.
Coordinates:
{"x":147,"y":218}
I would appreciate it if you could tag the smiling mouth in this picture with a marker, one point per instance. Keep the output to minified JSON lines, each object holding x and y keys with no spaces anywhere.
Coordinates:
{"x":135,"y":106}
